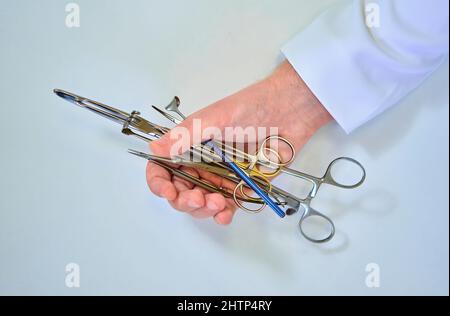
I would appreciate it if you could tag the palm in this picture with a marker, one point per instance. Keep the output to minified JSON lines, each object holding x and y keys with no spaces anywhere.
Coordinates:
{"x":282,"y":101}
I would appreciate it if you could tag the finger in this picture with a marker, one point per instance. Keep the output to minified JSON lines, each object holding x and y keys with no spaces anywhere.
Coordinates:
{"x":216,"y":180}
{"x":183,"y":184}
{"x":180,"y":185}
{"x":154,"y":170}
{"x":188,"y":201}
{"x":158,"y":180}
{"x":187,"y":183}
{"x":225,"y":217}
{"x":215,"y":202}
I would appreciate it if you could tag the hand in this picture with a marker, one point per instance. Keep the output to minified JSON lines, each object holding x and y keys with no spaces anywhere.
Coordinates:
{"x":282,"y":100}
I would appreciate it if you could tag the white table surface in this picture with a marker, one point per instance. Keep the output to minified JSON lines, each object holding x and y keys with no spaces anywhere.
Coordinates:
{"x":71,"y":193}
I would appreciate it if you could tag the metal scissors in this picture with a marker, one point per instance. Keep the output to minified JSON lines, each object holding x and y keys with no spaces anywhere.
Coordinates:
{"x":133,"y":124}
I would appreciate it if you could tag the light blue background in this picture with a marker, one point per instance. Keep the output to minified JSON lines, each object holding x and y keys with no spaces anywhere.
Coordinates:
{"x":69,"y":192}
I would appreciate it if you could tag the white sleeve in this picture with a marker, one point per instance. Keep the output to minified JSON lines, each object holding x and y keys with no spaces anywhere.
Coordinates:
{"x":361,"y":57}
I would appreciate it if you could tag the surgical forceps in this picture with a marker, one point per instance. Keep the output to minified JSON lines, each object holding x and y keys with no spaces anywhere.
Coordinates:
{"x":134,"y":124}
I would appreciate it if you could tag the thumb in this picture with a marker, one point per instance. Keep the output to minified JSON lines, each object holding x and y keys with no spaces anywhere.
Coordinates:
{"x":203,"y":125}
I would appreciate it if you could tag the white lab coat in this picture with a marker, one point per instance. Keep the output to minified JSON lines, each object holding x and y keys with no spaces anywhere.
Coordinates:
{"x":361,"y":57}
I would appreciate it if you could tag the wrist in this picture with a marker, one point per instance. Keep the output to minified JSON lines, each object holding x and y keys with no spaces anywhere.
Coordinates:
{"x":295,"y":95}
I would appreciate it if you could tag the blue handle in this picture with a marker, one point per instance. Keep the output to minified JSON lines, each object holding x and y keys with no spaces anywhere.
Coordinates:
{"x":241,"y":174}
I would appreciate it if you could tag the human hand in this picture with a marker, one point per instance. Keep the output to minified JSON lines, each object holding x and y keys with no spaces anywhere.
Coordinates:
{"x":281,"y":100}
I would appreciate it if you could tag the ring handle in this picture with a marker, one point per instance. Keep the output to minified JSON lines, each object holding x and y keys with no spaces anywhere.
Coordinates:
{"x":239,"y":187}
{"x":262,"y":151}
{"x":329,"y":179}
{"x":310,"y":212}
{"x":258,"y":169}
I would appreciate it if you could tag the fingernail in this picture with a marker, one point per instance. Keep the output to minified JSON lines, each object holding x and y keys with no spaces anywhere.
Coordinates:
{"x":212,"y":206}
{"x":193,"y":204}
